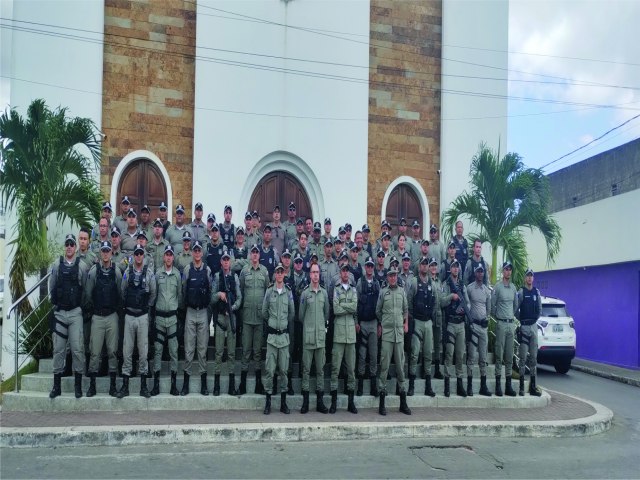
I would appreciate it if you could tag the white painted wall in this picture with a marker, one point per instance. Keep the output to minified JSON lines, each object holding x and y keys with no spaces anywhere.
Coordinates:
{"x":588,"y":225}
{"x":70,"y":68}
{"x":228,"y":146}
{"x":466,"y":119}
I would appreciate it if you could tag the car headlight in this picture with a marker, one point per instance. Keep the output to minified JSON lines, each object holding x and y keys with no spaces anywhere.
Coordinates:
{"x":543,"y":323}
{"x":572,"y":325}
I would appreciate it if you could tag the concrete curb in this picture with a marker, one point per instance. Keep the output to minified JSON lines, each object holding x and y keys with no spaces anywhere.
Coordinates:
{"x":607,"y":375}
{"x":296,"y":432}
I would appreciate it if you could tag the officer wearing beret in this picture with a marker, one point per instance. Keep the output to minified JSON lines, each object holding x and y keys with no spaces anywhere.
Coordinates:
{"x":529,"y":310}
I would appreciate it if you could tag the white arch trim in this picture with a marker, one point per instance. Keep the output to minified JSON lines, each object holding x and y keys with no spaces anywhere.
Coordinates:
{"x":124,"y":163}
{"x":290,"y":163}
{"x":417,"y":188}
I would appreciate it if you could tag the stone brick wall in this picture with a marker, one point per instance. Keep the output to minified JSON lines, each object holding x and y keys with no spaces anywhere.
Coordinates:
{"x":149,"y":87}
{"x":404,"y":100}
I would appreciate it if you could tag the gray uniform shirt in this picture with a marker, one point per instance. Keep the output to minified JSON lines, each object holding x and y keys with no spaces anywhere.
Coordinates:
{"x":151,"y":285}
{"x":480,"y":299}
{"x":504,"y":301}
{"x":53,"y":279}
{"x":87,"y":292}
{"x":169,"y":289}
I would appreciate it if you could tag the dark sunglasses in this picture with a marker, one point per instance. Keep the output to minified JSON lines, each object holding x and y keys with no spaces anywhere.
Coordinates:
{"x":69,"y":244}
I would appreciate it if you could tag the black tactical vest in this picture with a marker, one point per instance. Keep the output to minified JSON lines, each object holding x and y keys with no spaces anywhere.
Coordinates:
{"x":268,"y":259}
{"x":68,"y":290}
{"x":198,"y":289}
{"x":228,"y":236}
{"x":230,"y":286}
{"x":368,"y":299}
{"x":529,"y":308}
{"x":474,"y":264}
{"x":356,"y":272}
{"x":452,"y":308}
{"x":137,"y":295}
{"x":380,"y":275}
{"x":105,"y":292}
{"x":214,"y":254}
{"x":240,"y":253}
{"x":424,"y":300}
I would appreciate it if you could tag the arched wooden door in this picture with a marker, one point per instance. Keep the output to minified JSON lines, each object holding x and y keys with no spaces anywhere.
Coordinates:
{"x":403,"y":202}
{"x":279,"y":188}
{"x":143,"y":182}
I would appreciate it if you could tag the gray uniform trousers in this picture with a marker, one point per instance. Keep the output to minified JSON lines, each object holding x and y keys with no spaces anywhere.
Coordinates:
{"x":528,"y":346}
{"x":437,"y":338}
{"x":277,"y":363}
{"x":223,"y":333}
{"x":395,"y":349}
{"x":504,"y":347}
{"x":310,"y":354}
{"x":348,"y":352}
{"x":421,"y":341}
{"x":196,"y":338}
{"x":368,"y":342}
{"x":252,"y":342}
{"x":455,"y":344}
{"x":69,"y":330}
{"x":104,"y":329}
{"x":166,"y":330}
{"x":477,"y":349}
{"x":136,"y":328}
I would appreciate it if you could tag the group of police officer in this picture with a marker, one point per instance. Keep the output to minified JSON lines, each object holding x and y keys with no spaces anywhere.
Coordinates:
{"x":307,"y":293}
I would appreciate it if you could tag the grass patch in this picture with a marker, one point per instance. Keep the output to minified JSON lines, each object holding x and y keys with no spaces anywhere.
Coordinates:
{"x":9,"y":384}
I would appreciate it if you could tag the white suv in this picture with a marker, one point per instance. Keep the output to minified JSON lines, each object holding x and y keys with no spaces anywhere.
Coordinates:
{"x":556,"y":335}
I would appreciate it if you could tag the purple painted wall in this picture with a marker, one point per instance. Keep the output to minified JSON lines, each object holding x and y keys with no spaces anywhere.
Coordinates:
{"x":605,"y":304}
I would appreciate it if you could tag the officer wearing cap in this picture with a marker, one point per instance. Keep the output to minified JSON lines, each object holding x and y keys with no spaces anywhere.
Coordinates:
{"x":402,"y":230}
{"x":462,"y":246}
{"x":121,"y":220}
{"x":138,"y":290}
{"x":100,"y":234}
{"x":392,"y":312}
{"x":380,"y":271}
{"x":299,"y":281}
{"x":145,"y":221}
{"x":106,"y":213}
{"x":101,"y":297}
{"x":385,"y":246}
{"x":84,"y":253}
{"x":285,"y":258}
{"x":163,"y":210}
{"x":156,"y":247}
{"x":445,"y":267}
{"x":529,"y":311}
{"x":289,"y":224}
{"x":65,"y":287}
{"x":278,"y":235}
{"x":423,"y":251}
{"x":456,"y":305}
{"x":367,"y":289}
{"x":316,"y":244}
{"x":269,"y":256}
{"x":253,"y":235}
{"x":168,"y":302}
{"x":423,"y":303}
{"x":240,"y":251}
{"x":355,"y":268}
{"x":183,"y":258}
{"x":504,"y":306}
{"x":118,"y":257}
{"x":148,"y":258}
{"x":477,"y":339}
{"x":475,"y":260}
{"x":436,"y":248}
{"x":215,"y":249}
{"x":278,"y":311}
{"x":174,"y":232}
{"x":228,"y":229}
{"x":129,"y":235}
{"x":385,"y":227}
{"x":198,"y":228}
{"x":437,"y":319}
{"x":196,"y":291}
{"x":406,"y":274}
{"x":366,"y":244}
{"x":226,"y":292}
{"x":211,"y":219}
{"x":304,"y":250}
{"x":254,"y":280}
{"x":327,"y":231}
{"x":414,"y":243}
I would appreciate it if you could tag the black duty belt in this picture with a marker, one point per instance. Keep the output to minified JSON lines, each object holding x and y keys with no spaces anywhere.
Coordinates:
{"x":275,"y":331}
{"x":166,"y":314}
{"x":196,"y":308}
{"x":104,"y":312}
{"x":67,"y":308}
{"x":528,"y":323}
{"x":135,"y":314}
{"x":421,"y":318}
{"x":505,"y":320}
{"x":483,"y":323}
{"x":455,"y":319}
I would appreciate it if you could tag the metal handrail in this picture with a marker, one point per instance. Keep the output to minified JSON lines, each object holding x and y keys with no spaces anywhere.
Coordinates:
{"x":26,"y":294}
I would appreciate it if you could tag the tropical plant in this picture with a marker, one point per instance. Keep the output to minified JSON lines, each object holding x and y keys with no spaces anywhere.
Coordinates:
{"x":505,"y":197}
{"x":45,"y":174}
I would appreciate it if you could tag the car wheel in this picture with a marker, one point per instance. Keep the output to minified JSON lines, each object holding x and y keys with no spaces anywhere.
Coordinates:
{"x":563,"y":366}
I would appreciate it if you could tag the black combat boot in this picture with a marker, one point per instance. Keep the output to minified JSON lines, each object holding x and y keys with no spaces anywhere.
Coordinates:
{"x":290,"y":384}
{"x":243,"y":383}
{"x":259,"y":388}
{"x":232,"y":385}
{"x":447,"y":389}
{"x":78,"y":384}
{"x":460,"y":391}
{"x":334,"y":401}
{"x":204,"y":388}
{"x":533,"y":388}
{"x":484,"y":391}
{"x":436,"y":371}
{"x":427,"y":387}
{"x":351,"y":407}
{"x":305,"y":402}
{"x":320,"y":406}
{"x":174,"y":388}
{"x":498,"y":387}
{"x":404,"y":408}
{"x":283,"y":403}
{"x":156,"y":384}
{"x":360,"y":385}
{"x":469,"y":386}
{"x":56,"y":390}
{"x":412,"y":382}
{"x":124,"y":389}
{"x":92,"y":385}
{"x":144,"y":392}
{"x":185,"y":385}
{"x":267,"y":405}
{"x":521,"y":389}
{"x":381,"y":408}
{"x":508,"y":390}
{"x":373,"y":386}
{"x":113,"y":391}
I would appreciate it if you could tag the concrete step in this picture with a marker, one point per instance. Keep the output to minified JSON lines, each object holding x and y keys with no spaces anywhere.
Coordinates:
{"x":40,"y":401}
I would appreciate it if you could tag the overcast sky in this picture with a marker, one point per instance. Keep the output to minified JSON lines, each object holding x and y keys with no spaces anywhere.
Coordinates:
{"x":602,"y":38}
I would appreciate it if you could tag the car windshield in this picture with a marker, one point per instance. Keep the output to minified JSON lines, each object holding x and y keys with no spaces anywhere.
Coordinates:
{"x":550,"y":310}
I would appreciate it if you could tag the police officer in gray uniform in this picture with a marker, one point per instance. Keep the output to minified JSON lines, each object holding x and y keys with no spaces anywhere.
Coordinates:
{"x":102,"y":298}
{"x":368,"y":289}
{"x":480,"y":299}
{"x":504,"y":305}
{"x":65,"y":287}
{"x":529,"y":310}
{"x":139,"y":294}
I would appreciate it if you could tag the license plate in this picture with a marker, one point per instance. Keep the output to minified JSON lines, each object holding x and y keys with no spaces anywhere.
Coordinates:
{"x":557,"y":328}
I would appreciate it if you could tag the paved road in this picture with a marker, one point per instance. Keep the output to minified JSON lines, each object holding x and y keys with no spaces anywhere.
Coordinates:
{"x":614,"y":454}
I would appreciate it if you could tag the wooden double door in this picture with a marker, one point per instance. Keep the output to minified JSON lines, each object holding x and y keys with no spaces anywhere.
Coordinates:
{"x":279,"y":188}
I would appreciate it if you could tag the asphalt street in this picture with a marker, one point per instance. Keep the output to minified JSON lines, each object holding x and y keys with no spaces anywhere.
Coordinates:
{"x":614,"y":454}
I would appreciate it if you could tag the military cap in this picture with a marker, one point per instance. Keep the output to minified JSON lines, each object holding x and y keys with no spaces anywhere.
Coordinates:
{"x":266,"y":227}
{"x":214,"y":227}
{"x":107,"y":206}
{"x":392,"y":271}
{"x":186,"y":236}
{"x":163,"y":206}
{"x":316,"y":226}
{"x":247,"y":215}
{"x":415,"y":224}
{"x":342,"y":229}
{"x":286,"y":253}
{"x":354,"y":247}
{"x":132,"y":213}
{"x":142,"y":233}
{"x":225,"y":254}
{"x":138,"y":248}
{"x":115,"y":231}
{"x":145,"y":207}
{"x":254,"y":248}
{"x":297,"y":258}
{"x":385,"y":236}
{"x":211,"y":218}
{"x":369,"y":261}
{"x":327,"y":221}
{"x":425,"y":242}
{"x":403,"y":221}
{"x":381,"y":253}
{"x":348,"y":227}
{"x":196,"y":244}
{"x":180,"y":208}
{"x":365,"y":228}
{"x":406,"y":256}
{"x":528,"y":272}
{"x":385,"y":224}
{"x":240,"y":231}
{"x":227,"y":208}
{"x":198,"y":206}
{"x":292,"y":206}
{"x":426,"y":261}
{"x":433,"y":228}
{"x":344,"y":266}
{"x":455,"y":263}
{"x":451,"y":244}
{"x":393,"y":259}
{"x":279,"y":266}
{"x":70,"y":238}
{"x":328,"y":242}
{"x":157,"y":222}
{"x":105,"y":246}
{"x":343,"y":255}
{"x":169,"y":249}
{"x":338,"y":240}
{"x":126,"y":200}
{"x":507,"y":265}
{"x":255,"y":214}
{"x":433,"y":261}
{"x":479,"y":268}
{"x":299,"y":221}
{"x":314,"y":254}
{"x":276,"y":208}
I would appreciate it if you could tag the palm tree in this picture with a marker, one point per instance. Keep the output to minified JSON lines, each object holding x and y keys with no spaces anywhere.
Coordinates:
{"x":505,"y":198}
{"x":44,"y":173}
